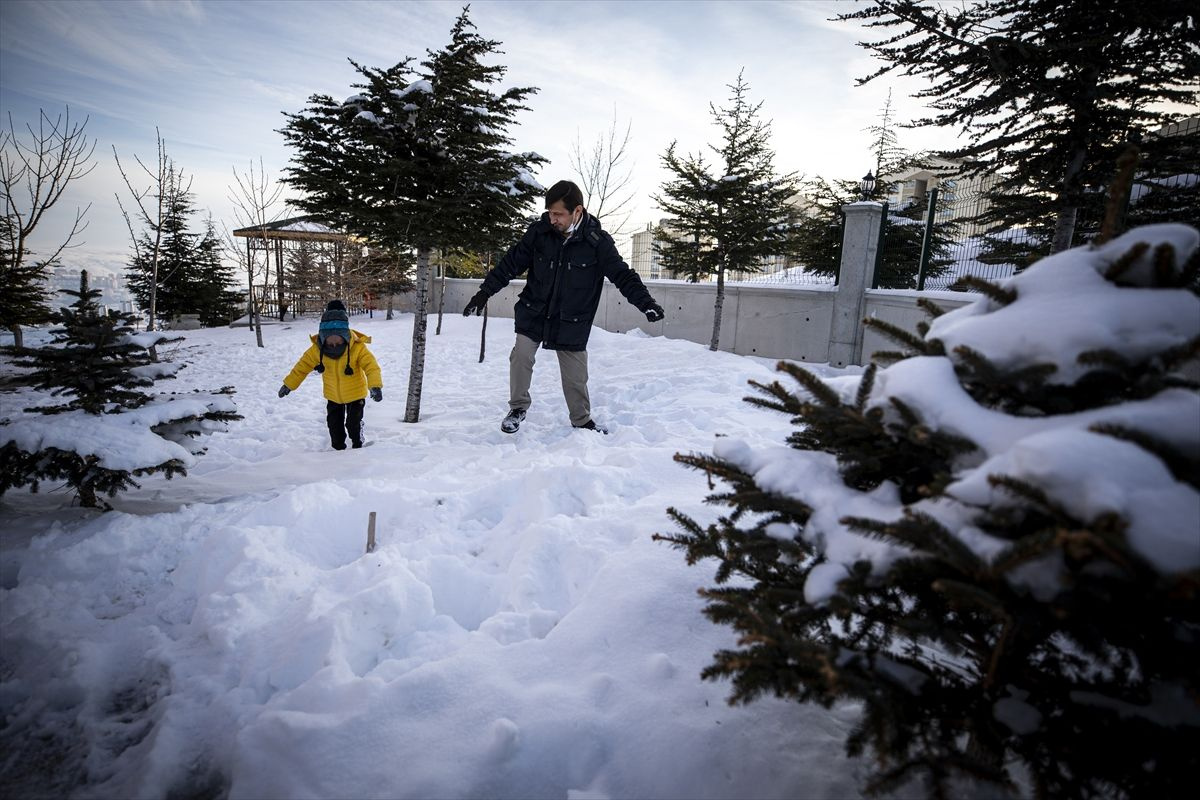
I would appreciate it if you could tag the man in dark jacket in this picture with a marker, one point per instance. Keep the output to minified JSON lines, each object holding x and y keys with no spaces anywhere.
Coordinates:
{"x":567,"y":256}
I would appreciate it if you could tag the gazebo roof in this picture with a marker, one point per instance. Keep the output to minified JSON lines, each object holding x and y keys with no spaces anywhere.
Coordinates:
{"x":294,"y":229}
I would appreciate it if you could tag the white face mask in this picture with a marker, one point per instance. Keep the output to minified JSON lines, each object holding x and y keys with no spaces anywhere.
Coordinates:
{"x":575,"y":223}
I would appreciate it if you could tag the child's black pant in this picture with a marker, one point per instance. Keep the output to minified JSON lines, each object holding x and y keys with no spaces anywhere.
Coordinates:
{"x":345,"y":418}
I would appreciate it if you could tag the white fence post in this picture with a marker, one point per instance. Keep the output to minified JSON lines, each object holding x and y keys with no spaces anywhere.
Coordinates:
{"x":860,"y":242}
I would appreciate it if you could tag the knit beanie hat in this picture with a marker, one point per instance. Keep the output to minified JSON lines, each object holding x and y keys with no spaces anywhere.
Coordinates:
{"x":335,"y":320}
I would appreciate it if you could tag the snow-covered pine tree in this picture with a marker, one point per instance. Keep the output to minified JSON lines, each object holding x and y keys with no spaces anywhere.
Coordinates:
{"x":94,"y":361}
{"x":417,"y":159}
{"x":991,"y":543}
{"x":25,"y":296}
{"x":107,"y":430}
{"x":729,"y":221}
{"x":214,"y":300}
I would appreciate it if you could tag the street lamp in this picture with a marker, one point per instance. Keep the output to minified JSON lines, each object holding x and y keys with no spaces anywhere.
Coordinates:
{"x":866,"y":185}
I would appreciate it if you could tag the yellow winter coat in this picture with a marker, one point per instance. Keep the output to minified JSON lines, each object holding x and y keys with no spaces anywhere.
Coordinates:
{"x":340,"y":387}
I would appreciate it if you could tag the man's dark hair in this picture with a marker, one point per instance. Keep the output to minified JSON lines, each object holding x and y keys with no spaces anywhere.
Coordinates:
{"x":567,"y":192}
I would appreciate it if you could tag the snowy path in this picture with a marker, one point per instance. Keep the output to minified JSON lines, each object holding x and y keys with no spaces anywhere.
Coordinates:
{"x":516,"y":634}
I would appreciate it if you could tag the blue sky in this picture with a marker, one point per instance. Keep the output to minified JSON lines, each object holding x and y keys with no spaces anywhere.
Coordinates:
{"x":215,"y":76}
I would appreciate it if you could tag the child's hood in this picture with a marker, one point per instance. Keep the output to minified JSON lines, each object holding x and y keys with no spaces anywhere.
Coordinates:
{"x":355,"y":336}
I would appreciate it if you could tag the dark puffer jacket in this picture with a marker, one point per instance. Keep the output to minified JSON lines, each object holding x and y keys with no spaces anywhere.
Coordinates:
{"x":565,"y":277}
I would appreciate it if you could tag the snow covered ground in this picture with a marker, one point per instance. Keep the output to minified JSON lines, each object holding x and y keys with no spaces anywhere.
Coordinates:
{"x":517,"y":633}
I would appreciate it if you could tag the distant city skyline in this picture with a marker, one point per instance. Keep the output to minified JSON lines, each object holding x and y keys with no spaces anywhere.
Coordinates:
{"x":215,"y":76}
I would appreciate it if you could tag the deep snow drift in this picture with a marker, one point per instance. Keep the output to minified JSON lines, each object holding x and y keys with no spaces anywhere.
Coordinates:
{"x":516,"y":634}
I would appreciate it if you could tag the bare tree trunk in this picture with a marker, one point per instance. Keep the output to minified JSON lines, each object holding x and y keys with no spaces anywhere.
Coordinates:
{"x":249,"y":283}
{"x":717,"y":307}
{"x":1068,"y":210}
{"x":153,"y":312}
{"x":720,"y":304}
{"x":255,"y":319}
{"x":1064,"y":229}
{"x":416,"y":372}
{"x":253,"y":198}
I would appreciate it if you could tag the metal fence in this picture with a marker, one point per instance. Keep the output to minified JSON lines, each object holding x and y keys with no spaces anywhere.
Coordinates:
{"x":965,"y":248}
{"x":1168,"y":190}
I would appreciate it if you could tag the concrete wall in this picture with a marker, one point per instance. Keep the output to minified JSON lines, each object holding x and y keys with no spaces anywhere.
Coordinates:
{"x":899,"y":307}
{"x":772,"y":322}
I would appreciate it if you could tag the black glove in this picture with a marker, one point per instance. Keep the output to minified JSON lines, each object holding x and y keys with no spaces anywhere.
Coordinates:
{"x":476,"y":303}
{"x":376,"y":393}
{"x":284,"y":391}
{"x":654,"y":312}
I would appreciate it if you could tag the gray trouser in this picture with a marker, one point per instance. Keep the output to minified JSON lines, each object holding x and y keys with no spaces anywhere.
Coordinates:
{"x":572,"y":366}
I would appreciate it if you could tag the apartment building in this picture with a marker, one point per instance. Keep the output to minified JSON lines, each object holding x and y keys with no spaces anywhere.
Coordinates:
{"x":643,"y":259}
{"x":958,"y":198}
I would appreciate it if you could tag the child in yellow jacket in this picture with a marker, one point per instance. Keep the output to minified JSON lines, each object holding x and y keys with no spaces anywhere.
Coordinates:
{"x":349,"y":376}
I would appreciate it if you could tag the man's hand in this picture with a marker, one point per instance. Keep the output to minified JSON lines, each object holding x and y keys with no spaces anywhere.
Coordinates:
{"x":476,"y":304}
{"x":284,"y":391}
{"x":376,"y":393}
{"x":654,"y":312}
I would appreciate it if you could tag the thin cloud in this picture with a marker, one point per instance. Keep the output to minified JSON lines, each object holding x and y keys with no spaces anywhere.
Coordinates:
{"x":89,"y":40}
{"x":187,"y":10}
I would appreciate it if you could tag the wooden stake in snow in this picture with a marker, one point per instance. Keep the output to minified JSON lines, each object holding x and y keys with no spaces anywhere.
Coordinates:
{"x":371,"y":533}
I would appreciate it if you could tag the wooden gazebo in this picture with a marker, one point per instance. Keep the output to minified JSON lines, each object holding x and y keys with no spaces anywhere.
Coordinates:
{"x":289,"y":235}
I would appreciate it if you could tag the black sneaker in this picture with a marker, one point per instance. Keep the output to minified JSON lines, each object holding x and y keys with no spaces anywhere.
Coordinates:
{"x":513,"y":421}
{"x":591,"y":425}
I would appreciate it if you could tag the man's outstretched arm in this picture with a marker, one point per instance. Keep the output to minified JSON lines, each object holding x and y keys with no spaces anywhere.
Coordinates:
{"x":514,"y":263}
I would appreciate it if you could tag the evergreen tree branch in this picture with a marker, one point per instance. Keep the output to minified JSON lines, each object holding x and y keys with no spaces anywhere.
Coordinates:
{"x":994,"y":292}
